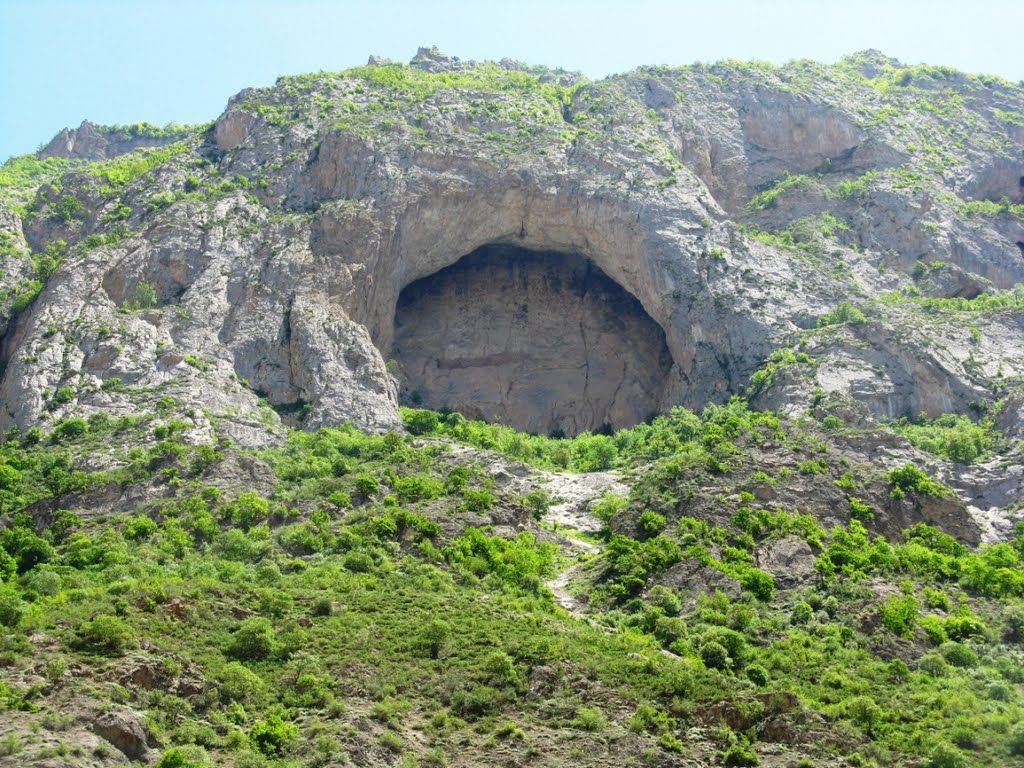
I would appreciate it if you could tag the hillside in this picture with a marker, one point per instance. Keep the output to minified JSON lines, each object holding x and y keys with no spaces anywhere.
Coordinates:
{"x":461,"y":413}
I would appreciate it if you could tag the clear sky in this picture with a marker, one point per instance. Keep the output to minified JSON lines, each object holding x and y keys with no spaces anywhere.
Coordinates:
{"x":124,"y":61}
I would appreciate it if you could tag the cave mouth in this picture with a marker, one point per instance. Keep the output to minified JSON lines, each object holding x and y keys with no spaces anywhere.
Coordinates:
{"x":541,"y":341}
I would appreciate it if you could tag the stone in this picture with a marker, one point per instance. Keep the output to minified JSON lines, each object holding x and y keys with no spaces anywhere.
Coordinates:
{"x":124,"y":729}
{"x":789,"y":559}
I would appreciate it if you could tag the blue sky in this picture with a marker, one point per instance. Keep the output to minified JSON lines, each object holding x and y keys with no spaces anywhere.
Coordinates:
{"x":123,"y":61}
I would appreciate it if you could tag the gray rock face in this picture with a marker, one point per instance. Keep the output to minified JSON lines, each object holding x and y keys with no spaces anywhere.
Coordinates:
{"x":124,"y":729}
{"x":541,"y":341}
{"x":100,"y":142}
{"x":273,"y":265}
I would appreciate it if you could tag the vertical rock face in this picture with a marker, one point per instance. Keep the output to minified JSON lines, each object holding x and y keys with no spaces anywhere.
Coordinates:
{"x":703,"y":217}
{"x":545,"y":342}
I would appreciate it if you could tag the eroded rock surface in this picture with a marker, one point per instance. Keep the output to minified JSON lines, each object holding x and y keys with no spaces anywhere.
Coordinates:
{"x":542,"y":341}
{"x":267,"y":268}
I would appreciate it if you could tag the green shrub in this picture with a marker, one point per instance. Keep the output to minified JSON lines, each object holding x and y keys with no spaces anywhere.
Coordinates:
{"x":845,"y":312}
{"x":70,"y":428}
{"x":184,"y":757}
{"x":589,"y":719}
{"x":358,"y":562}
{"x":899,"y":614}
{"x":538,"y":502}
{"x":139,"y":528}
{"x":477,"y":499}
{"x":758,"y":675}
{"x":432,"y":637}
{"x":958,"y":654}
{"x":26,"y":548}
{"x":964,"y":626}
{"x":12,"y":607}
{"x":272,"y":736}
{"x":63,"y":395}
{"x":145,"y":297}
{"x":865,"y":713}
{"x":946,"y":756}
{"x":650,"y":522}
{"x":911,"y":479}
{"x":759,"y":583}
{"x":740,"y":756}
{"x":236,"y":682}
{"x":367,"y":486}
{"x":801,"y":614}
{"x":934,"y":665}
{"x":420,"y":422}
{"x":105,"y":634}
{"x":254,"y":639}
{"x":1016,"y":740}
{"x":714,"y":655}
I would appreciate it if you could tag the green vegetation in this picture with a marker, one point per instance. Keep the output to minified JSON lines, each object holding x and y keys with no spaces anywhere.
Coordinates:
{"x":769,"y":197}
{"x":114,"y":175}
{"x":911,"y":479}
{"x":954,"y":437}
{"x":990,"y":208}
{"x":844,"y":313}
{"x":371,"y":557}
{"x":21,"y":176}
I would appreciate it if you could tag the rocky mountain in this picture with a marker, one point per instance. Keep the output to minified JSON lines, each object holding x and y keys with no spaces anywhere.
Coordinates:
{"x":840,"y":248}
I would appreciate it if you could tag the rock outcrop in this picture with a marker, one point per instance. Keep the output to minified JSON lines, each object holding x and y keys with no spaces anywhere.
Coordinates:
{"x":90,"y":141}
{"x":270,"y":265}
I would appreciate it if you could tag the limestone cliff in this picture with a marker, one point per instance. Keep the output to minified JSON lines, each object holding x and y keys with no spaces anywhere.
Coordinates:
{"x":649,"y":240}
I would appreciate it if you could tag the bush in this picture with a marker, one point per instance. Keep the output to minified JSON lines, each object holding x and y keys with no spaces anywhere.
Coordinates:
{"x":477,"y":500}
{"x":271,"y":736}
{"x":845,"y":312}
{"x":964,"y":626}
{"x":865,"y":713}
{"x":946,"y":756}
{"x":759,"y":583}
{"x":958,"y":654}
{"x":184,"y":757}
{"x":714,"y":655}
{"x":538,"y":501}
{"x":236,"y":682}
{"x":933,"y":664}
{"x":139,"y":528}
{"x":145,"y":297}
{"x":358,"y":562}
{"x":1016,"y":740}
{"x":650,"y":522}
{"x":12,"y":607}
{"x":420,"y":422}
{"x":70,"y":428}
{"x":254,"y":640}
{"x":740,"y":756}
{"x":912,"y":479}
{"x":432,"y":637}
{"x":367,"y":486}
{"x":26,"y":548}
{"x":802,"y":613}
{"x":589,"y":719}
{"x":899,"y":614}
{"x":758,"y":675}
{"x":106,"y":634}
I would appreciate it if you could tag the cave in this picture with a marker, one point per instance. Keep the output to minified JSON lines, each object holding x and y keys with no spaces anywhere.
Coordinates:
{"x":541,"y":341}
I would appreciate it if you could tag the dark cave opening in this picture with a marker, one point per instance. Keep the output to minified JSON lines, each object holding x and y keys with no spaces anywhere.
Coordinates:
{"x":541,"y":341}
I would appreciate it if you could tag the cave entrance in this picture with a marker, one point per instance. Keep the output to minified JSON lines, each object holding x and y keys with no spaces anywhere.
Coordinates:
{"x":542,"y":341}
